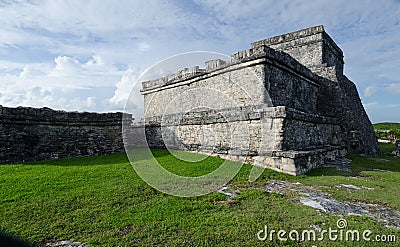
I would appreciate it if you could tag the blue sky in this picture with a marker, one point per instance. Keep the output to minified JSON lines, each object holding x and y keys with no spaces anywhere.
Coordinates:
{"x":86,"y":55}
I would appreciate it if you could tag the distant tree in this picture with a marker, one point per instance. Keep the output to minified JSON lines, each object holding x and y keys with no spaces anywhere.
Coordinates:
{"x":382,"y":130}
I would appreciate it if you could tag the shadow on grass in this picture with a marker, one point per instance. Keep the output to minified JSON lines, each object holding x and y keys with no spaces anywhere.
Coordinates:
{"x":360,"y":164}
{"x":12,"y":241}
{"x":107,"y":159}
{"x":387,"y":147}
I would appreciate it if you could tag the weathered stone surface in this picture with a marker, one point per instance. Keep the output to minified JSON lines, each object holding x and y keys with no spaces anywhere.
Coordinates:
{"x":283,"y":104}
{"x":66,"y":243}
{"x":38,"y":134}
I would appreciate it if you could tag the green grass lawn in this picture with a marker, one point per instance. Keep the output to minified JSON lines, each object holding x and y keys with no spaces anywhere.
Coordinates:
{"x":101,"y":201}
{"x":386,"y":147}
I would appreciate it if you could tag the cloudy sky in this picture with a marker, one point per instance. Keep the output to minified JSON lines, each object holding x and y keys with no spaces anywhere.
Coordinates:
{"x":86,"y":55}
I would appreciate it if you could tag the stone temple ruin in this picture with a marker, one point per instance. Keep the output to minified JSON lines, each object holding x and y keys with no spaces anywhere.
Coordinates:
{"x":283,"y":104}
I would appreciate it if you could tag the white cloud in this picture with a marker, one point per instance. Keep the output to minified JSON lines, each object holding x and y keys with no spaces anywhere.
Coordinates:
{"x":26,"y":72}
{"x":124,"y":86}
{"x":67,"y":84}
{"x":144,"y":46}
{"x":96,"y":60}
{"x":370,"y":91}
{"x":128,"y":84}
{"x":80,"y":51}
{"x":370,"y":104}
{"x":393,"y":106}
{"x":40,"y":97}
{"x":393,"y":88}
{"x":65,"y":66}
{"x":381,"y":112}
{"x":91,"y":19}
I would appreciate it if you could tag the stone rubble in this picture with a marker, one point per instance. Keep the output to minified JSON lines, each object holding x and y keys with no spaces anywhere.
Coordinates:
{"x":323,"y":202}
{"x":66,"y":243}
{"x":378,"y":160}
{"x":348,"y":186}
{"x":380,"y":170}
{"x":231,"y":194}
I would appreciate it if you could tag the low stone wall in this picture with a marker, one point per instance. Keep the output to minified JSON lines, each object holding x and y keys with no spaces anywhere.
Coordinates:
{"x":28,"y":134}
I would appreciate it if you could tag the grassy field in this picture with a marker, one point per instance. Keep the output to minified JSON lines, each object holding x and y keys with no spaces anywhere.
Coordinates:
{"x":101,"y":201}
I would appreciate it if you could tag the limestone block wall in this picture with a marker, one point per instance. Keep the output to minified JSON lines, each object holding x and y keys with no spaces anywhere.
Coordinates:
{"x":38,"y":134}
{"x":234,"y":129}
{"x":237,"y":131}
{"x":259,"y":76}
{"x":234,"y":87}
{"x":243,"y":129}
{"x":291,"y":89}
{"x":338,"y":98}
{"x":356,"y":126}
{"x":308,"y":131}
{"x":279,"y":138}
{"x":312,"y":47}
